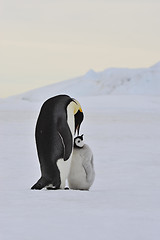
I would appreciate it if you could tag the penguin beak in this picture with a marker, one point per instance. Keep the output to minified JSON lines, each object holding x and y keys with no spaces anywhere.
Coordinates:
{"x":79,"y":116}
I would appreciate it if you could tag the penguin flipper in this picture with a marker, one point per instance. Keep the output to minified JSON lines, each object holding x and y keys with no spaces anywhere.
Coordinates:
{"x":67,"y":140}
{"x":88,"y":167}
{"x":41,"y":183}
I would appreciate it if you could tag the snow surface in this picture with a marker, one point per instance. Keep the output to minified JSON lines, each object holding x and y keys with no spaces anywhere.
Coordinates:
{"x":124,"y":201}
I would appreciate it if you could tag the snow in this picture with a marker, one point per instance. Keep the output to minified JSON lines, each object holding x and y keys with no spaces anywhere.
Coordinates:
{"x":124,"y":201}
{"x":112,"y":81}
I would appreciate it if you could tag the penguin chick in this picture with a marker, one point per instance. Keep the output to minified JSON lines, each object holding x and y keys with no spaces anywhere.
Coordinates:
{"x":82,"y":172}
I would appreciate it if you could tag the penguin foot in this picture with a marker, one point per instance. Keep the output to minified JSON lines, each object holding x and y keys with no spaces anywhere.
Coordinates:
{"x":56,"y":188}
{"x":53,"y":188}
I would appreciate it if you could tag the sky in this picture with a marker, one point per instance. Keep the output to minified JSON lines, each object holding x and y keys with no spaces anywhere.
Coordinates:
{"x":47,"y":41}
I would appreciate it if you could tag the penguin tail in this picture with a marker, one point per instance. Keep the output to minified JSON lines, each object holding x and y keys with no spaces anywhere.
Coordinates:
{"x":42,"y":182}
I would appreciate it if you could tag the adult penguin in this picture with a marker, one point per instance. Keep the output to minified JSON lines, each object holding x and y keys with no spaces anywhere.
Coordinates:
{"x":59,"y":119}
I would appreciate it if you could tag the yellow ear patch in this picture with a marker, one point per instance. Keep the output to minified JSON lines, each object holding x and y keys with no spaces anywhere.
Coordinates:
{"x":77,"y":107}
{"x":76,"y":110}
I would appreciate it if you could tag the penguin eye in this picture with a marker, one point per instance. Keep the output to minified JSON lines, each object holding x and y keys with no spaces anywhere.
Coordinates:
{"x":78,"y":141}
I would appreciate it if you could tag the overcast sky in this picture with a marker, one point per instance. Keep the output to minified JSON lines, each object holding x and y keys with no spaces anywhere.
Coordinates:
{"x":45,"y":41}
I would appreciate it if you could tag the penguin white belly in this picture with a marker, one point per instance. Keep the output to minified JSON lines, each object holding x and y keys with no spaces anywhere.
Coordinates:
{"x":64,"y":166}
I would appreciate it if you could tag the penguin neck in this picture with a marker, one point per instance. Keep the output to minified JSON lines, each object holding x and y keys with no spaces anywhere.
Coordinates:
{"x":70,"y":116}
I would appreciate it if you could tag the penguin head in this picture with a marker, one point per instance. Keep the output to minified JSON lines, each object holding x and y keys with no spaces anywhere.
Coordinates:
{"x":78,"y":142}
{"x":78,"y":115}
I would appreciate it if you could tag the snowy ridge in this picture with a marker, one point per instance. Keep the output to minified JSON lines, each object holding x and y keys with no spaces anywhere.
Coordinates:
{"x":113,"y":81}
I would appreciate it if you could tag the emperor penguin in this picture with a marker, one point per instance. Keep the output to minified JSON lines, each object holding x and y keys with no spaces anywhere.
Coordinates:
{"x":82,"y":172}
{"x":59,"y":119}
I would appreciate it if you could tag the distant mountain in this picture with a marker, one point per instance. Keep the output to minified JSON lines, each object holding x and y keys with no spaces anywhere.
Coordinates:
{"x":143,"y":81}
